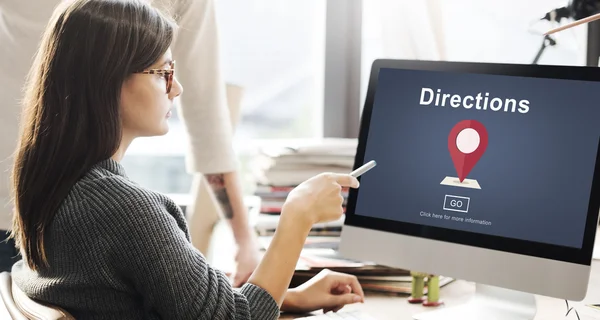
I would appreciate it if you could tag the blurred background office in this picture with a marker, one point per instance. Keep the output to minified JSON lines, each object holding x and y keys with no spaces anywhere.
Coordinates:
{"x":304,"y":64}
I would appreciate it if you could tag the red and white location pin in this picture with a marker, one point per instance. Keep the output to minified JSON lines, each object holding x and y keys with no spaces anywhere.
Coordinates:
{"x":467,"y":143}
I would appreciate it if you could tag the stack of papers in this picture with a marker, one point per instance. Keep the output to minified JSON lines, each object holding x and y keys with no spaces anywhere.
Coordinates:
{"x":290,"y":162}
{"x":281,"y":165}
{"x":266,"y":224}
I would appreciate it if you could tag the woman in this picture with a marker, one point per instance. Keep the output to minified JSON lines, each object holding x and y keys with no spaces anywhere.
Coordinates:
{"x":97,"y":244}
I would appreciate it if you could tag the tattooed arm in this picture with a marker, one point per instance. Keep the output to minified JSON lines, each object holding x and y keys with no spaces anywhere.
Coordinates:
{"x":228,"y":192}
{"x":223,"y":189}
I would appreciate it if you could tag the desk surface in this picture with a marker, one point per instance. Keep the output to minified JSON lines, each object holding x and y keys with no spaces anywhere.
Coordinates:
{"x":387,"y":307}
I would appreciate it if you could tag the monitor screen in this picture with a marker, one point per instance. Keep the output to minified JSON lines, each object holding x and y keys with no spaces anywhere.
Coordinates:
{"x":490,"y":154}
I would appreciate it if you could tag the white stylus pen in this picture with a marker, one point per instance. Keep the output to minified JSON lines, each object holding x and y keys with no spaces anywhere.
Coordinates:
{"x":364,"y":168}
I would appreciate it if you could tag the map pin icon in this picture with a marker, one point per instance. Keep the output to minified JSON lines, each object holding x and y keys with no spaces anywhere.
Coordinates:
{"x":467,"y":142}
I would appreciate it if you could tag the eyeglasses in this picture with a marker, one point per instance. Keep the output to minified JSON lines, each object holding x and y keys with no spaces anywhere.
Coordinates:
{"x":167,"y":73}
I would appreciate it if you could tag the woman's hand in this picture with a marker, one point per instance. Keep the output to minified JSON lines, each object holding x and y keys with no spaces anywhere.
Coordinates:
{"x":318,"y":199}
{"x":328,"y":290}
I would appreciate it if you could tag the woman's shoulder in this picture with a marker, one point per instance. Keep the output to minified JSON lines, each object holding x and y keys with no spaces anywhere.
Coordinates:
{"x":99,"y":184}
{"x":108,"y":199}
{"x":107,"y":191}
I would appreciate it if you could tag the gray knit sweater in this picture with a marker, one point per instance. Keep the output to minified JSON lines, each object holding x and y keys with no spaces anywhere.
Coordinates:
{"x":119,"y":251}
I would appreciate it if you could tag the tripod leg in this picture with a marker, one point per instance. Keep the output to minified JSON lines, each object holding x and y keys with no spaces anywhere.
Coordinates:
{"x":539,"y":53}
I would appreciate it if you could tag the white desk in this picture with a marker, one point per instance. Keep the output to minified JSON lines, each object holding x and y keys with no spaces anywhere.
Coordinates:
{"x":387,"y":307}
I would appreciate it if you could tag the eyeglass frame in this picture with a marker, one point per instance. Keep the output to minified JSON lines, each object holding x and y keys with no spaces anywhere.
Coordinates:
{"x":169,"y":74}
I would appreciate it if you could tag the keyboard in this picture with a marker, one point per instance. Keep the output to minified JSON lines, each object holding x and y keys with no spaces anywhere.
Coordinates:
{"x":342,"y":315}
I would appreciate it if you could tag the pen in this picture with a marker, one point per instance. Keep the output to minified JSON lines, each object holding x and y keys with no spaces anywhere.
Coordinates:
{"x":573,"y":24}
{"x":364,"y":168}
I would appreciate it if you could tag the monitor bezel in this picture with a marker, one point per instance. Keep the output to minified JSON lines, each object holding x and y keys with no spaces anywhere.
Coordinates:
{"x":542,"y":250}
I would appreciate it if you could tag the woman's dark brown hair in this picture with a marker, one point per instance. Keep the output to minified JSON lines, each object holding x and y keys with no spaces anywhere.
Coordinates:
{"x":71,"y":118}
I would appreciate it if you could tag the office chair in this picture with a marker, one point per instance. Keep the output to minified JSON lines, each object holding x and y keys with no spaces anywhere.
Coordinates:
{"x":18,"y":306}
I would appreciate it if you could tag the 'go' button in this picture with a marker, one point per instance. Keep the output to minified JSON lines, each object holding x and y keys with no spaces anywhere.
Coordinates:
{"x":456,"y":203}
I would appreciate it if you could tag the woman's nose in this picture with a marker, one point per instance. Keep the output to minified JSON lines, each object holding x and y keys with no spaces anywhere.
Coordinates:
{"x":176,"y":90}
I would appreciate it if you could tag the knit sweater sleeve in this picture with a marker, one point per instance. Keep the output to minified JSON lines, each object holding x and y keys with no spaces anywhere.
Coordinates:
{"x":152,"y":252}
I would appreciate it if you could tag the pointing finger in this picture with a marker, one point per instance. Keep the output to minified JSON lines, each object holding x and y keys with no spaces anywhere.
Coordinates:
{"x":345,"y":180}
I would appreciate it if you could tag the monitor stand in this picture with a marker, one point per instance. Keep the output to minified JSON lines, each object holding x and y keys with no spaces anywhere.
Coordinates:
{"x":489,"y":303}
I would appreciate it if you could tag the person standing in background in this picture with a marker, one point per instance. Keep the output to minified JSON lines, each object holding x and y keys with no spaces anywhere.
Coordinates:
{"x":206,"y":116}
{"x":203,"y":110}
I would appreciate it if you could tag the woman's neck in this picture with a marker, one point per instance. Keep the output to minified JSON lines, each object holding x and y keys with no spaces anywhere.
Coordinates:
{"x":125,"y":142}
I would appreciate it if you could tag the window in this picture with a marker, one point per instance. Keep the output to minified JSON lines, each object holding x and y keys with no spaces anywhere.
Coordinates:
{"x":464,"y":30}
{"x":275,"y":50}
{"x":507,"y":31}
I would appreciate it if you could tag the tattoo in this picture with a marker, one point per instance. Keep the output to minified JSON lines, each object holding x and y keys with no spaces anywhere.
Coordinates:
{"x":217,"y":182}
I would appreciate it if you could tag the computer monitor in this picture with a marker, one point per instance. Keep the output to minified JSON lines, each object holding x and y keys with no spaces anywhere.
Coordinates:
{"x":485,"y":172}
